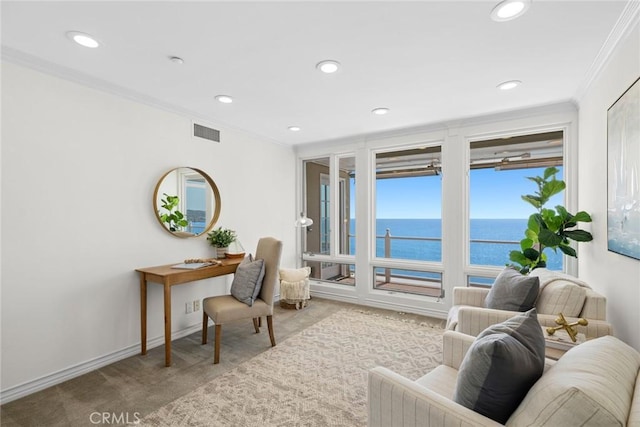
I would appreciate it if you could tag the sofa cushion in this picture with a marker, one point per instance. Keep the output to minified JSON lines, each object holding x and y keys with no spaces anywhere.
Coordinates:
{"x":247,"y":280}
{"x":591,"y":385}
{"x":504,"y":361}
{"x":513,"y":291}
{"x":441,"y":379}
{"x":561,"y":297}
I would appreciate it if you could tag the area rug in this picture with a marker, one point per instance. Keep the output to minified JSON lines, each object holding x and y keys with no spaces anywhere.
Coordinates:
{"x":315,"y":378}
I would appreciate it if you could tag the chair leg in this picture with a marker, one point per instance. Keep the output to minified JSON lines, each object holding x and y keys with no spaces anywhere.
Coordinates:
{"x":205,"y":323}
{"x":255,"y":325}
{"x":216,"y":348}
{"x":270,"y":326}
{"x":260,"y":321}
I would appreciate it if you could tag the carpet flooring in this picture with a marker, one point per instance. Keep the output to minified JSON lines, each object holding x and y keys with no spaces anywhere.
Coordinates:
{"x":315,"y":378}
{"x":140,"y":386}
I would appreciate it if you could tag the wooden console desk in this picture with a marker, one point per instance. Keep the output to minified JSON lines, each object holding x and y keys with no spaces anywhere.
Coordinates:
{"x":168,"y":277}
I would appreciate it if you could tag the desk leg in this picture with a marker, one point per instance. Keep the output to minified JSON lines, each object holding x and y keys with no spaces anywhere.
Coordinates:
{"x":167,"y":325}
{"x":143,"y":314}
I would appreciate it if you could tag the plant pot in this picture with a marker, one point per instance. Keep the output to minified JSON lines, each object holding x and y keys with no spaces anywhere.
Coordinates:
{"x":235,"y":255}
{"x":220,"y":252}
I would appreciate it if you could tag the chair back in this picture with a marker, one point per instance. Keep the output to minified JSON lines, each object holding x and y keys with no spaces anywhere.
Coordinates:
{"x":269,"y":250}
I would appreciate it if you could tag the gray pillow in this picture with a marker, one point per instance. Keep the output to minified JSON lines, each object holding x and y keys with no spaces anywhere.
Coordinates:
{"x":247,"y":281}
{"x":500,"y":367}
{"x":513,"y":291}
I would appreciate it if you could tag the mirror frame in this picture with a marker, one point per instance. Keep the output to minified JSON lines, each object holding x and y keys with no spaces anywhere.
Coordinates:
{"x":216,"y":211}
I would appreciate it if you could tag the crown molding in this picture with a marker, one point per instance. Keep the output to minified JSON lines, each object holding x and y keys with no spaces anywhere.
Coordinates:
{"x":628,"y":19}
{"x":444,"y":126}
{"x":26,"y":60}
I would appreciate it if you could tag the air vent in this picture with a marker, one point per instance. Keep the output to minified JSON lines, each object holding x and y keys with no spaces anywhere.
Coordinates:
{"x":206,"y":133}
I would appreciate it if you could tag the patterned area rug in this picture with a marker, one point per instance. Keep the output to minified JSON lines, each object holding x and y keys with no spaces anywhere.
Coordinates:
{"x":315,"y":378}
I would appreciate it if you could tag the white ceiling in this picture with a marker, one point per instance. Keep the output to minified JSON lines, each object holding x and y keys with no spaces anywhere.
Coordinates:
{"x":428,"y":61}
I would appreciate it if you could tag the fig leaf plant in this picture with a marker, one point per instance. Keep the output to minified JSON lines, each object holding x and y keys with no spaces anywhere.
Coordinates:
{"x":174,"y":219}
{"x":548,"y":228}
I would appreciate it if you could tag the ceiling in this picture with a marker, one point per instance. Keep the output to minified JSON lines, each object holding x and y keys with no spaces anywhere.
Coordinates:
{"x":427,"y":61}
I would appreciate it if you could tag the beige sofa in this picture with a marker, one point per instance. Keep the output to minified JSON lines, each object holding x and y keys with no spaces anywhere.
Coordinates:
{"x":594,"y":384}
{"x":558,"y":293}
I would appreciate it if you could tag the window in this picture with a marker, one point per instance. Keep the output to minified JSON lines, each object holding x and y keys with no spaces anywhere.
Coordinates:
{"x":317,"y":199}
{"x":347,"y":208}
{"x":196,"y":201}
{"x":325,"y":214}
{"x":401,"y":280}
{"x":408,"y":227}
{"x":343,"y":273}
{"x":330,"y":202}
{"x":497,"y":179}
{"x":409,"y":204}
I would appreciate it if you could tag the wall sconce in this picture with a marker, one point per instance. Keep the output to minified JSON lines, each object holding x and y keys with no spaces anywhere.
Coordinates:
{"x":303,"y":221}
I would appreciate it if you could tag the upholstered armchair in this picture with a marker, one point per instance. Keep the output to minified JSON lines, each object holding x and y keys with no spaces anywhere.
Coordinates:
{"x":252,"y":293}
{"x":558,"y":292}
{"x":594,"y":384}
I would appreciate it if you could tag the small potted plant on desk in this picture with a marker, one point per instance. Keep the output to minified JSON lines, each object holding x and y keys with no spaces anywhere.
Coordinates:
{"x":220,"y":238}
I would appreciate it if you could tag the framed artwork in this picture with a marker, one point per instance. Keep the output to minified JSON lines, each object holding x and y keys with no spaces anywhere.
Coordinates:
{"x":623,"y":170}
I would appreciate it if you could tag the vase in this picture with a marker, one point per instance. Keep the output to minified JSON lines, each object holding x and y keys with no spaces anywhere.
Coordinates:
{"x":220,"y":252}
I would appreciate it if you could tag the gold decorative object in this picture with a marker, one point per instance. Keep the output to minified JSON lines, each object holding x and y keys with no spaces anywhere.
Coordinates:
{"x":569,"y":327}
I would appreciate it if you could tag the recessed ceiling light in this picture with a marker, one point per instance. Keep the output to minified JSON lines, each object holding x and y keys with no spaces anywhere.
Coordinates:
{"x":83,"y":39}
{"x":294,"y":128}
{"x":380,"y":111}
{"x":176,"y":59}
{"x":329,"y":66}
{"x":511,"y":84}
{"x":509,"y":9}
{"x":225,"y":99}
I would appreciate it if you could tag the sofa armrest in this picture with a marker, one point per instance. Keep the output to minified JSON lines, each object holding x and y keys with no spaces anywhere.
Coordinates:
{"x":469,"y":296}
{"x":394,"y":401}
{"x":595,"y":328}
{"x":595,"y":306}
{"x":473,"y":320}
{"x":454,"y":348}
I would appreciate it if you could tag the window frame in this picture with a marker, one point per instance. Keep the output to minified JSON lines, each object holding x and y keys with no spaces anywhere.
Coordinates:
{"x":454,"y":139}
{"x":569,"y":175}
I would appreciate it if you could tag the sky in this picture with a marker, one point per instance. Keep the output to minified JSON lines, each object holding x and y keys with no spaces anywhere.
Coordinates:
{"x":494,"y":195}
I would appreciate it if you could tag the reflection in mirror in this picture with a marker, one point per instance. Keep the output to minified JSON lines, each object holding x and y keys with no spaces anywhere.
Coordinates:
{"x":186,"y":202}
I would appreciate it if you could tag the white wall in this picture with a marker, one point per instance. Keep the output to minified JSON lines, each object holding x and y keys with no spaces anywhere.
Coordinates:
{"x":79,"y":167}
{"x":616,"y":276}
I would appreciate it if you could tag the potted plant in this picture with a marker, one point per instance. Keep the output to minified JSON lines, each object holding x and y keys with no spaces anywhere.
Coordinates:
{"x":173,"y":218}
{"x":220,"y":238}
{"x":548,"y":228}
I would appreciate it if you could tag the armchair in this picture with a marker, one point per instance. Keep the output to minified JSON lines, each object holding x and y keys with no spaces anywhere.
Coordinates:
{"x":558,"y":293}
{"x":578,"y":390}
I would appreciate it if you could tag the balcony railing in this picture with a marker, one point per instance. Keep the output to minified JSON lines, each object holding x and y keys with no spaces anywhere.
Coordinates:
{"x":389,"y":280}
{"x":420,"y":282}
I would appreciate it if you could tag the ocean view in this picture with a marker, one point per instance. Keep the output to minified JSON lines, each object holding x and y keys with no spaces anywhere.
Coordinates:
{"x":496,"y":254}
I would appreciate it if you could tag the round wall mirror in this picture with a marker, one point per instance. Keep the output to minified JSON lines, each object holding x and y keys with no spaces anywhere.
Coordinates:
{"x":186,"y":202}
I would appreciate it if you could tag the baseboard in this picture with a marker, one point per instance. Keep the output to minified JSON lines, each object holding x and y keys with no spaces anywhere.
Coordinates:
{"x":353,"y":299}
{"x":46,"y":381}
{"x":369,"y":302}
{"x":437,"y":314}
